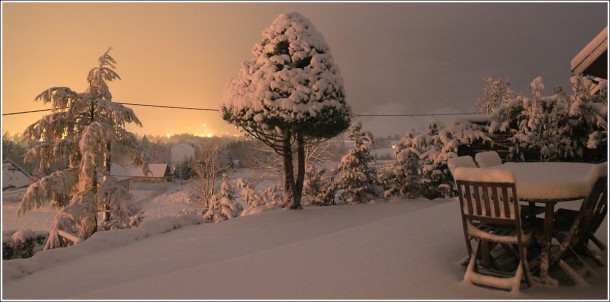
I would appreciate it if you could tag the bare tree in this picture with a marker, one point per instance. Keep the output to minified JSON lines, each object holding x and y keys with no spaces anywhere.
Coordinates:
{"x":209,"y":163}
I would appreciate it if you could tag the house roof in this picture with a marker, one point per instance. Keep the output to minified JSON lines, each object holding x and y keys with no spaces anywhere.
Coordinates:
{"x":119,"y":172}
{"x":593,"y":58}
{"x":158,"y":170}
{"x":13,"y":176}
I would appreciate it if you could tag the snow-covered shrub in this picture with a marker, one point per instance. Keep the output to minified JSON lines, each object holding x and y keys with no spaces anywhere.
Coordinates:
{"x":81,"y":129}
{"x":357,"y":179}
{"x":256,"y":202}
{"x":272,"y":196}
{"x":22,"y":243}
{"x":318,"y":190}
{"x":421,"y":168}
{"x":222,"y":206}
{"x":251,"y":198}
{"x":289,"y":92}
{"x":560,"y":127}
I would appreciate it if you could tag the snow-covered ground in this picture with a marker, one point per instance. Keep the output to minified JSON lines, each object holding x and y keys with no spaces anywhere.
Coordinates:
{"x":400,"y":249}
{"x":397,"y":249}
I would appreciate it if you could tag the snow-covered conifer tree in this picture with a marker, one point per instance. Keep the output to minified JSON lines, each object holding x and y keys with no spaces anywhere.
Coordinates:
{"x":251,"y":197}
{"x":82,"y":128}
{"x":290,"y":91}
{"x":357,"y":181}
{"x":317,"y":189}
{"x":222,"y":206}
{"x":421,"y":160}
{"x":495,"y":92}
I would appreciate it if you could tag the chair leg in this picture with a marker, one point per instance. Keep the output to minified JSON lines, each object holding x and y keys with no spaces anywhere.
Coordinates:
{"x":572,"y":274}
{"x":511,"y":283}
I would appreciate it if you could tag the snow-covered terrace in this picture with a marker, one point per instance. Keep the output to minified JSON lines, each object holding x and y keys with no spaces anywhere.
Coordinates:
{"x":399,"y":249}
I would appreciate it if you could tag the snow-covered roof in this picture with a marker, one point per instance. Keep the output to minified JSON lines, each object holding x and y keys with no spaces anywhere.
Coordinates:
{"x":14,"y":176}
{"x":590,"y":54}
{"x":119,"y":172}
{"x":158,"y":170}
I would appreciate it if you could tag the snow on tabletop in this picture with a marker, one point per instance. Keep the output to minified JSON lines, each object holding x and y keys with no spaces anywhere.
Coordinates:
{"x":552,"y":180}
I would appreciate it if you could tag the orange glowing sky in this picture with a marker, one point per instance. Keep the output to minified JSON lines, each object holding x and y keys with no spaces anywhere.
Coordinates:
{"x":183,"y":54}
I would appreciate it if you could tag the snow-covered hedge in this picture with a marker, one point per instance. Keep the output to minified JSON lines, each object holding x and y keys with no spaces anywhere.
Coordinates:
{"x":561,"y":127}
{"x":22,"y":243}
{"x":421,"y":160}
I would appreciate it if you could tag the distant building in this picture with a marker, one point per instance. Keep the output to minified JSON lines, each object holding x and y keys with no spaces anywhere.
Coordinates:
{"x":13,"y":176}
{"x":181,"y":152}
{"x":15,"y":181}
{"x":120,"y":174}
{"x":159,"y":173}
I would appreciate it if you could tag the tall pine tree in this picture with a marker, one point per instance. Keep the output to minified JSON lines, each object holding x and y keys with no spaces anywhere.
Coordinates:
{"x":81,"y":129}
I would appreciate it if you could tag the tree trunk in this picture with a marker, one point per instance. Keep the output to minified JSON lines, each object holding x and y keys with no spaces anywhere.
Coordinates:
{"x":288,"y":167}
{"x":106,"y":213}
{"x":298,"y":186}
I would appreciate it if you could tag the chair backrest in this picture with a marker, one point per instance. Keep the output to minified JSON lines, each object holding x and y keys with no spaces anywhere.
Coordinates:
{"x":488,"y":159}
{"x":488,"y":195}
{"x":462,"y":161}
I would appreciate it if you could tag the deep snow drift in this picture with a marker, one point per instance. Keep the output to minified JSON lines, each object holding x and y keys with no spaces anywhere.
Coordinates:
{"x":401,"y":249}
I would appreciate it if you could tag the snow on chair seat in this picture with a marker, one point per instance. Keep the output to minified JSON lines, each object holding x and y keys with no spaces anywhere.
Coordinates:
{"x":462,"y":161}
{"x":488,"y":159}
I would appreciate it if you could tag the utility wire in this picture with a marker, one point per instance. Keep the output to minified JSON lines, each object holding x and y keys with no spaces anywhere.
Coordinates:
{"x":24,"y":112}
{"x":211,"y":109}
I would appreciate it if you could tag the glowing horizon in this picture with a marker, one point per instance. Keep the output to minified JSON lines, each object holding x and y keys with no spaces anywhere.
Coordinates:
{"x":414,"y":57}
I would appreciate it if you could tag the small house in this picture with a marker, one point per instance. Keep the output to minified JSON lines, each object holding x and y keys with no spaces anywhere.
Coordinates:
{"x":13,"y":176}
{"x":15,"y":181}
{"x":159,"y":173}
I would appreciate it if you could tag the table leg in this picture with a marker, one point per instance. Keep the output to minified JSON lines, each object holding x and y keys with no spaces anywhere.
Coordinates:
{"x":547,"y":237}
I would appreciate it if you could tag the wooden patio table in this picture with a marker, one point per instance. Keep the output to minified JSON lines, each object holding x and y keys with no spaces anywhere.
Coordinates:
{"x":549,"y":183}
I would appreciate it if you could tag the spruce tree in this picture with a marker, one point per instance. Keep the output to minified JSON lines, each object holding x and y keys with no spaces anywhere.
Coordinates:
{"x":357,"y":178}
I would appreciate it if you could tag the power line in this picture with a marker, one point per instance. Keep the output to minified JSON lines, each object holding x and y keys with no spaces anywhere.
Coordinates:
{"x":216,"y":110}
{"x":24,"y":112}
{"x":171,"y":107}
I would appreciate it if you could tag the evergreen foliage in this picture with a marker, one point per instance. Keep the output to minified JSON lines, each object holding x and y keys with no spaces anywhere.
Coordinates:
{"x":290,"y":92}
{"x":81,"y":129}
{"x":357,"y":181}
{"x":222,"y":206}
{"x":421,"y":160}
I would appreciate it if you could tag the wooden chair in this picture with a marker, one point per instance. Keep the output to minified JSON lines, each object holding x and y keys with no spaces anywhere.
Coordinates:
{"x":491,"y":216}
{"x":488,"y":159}
{"x":462,"y":161}
{"x":573,"y":229}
